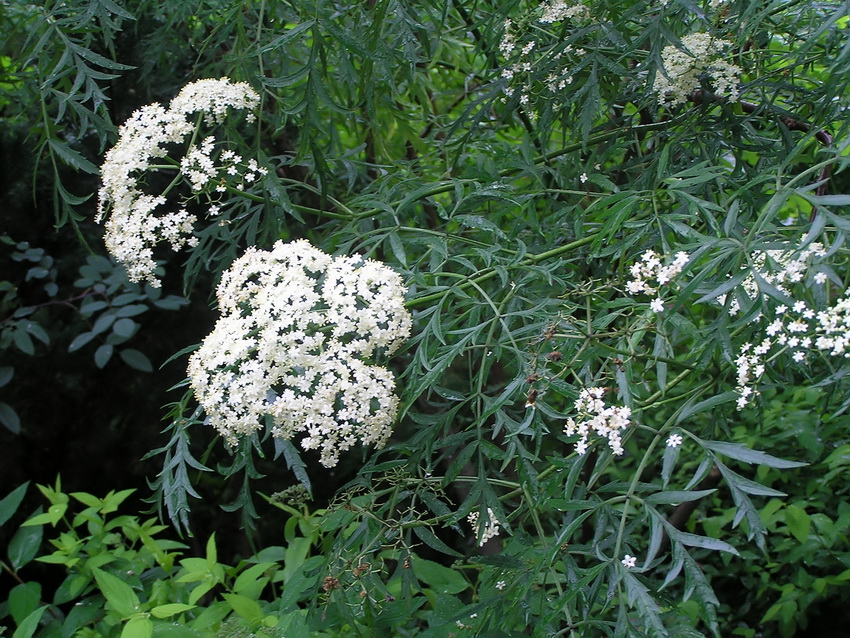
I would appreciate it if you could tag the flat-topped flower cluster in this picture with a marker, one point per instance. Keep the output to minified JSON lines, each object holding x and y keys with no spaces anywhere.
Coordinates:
{"x":134,"y":221}
{"x":606,"y":421}
{"x":293,"y":349}
{"x":701,"y":58}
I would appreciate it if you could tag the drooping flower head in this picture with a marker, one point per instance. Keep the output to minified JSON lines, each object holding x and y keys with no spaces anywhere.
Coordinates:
{"x":295,"y":345}
{"x":135,"y":223}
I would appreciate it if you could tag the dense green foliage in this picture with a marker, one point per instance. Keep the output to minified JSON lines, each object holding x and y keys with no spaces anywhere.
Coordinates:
{"x":529,"y":173}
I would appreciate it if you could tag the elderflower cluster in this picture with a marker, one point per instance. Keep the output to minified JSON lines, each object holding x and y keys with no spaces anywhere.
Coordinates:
{"x":135,"y":223}
{"x":530,"y":51}
{"x":606,"y":421}
{"x":780,"y":269}
{"x":293,"y":347}
{"x":484,"y":530}
{"x":683,"y":69}
{"x":559,"y":10}
{"x":796,"y":329}
{"x":650,"y":275}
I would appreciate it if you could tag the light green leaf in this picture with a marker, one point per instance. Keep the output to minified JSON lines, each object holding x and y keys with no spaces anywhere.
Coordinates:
{"x":248,"y":609}
{"x":27,"y":628}
{"x":118,"y":594}
{"x":166,"y":611}
{"x":138,"y":627}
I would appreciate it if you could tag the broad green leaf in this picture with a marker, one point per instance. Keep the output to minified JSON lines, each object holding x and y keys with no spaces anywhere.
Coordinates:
{"x":23,"y":600}
{"x":24,"y":545}
{"x":118,"y":594}
{"x":9,"y":418}
{"x":171,"y":609}
{"x":248,"y":609}
{"x":10,"y":503}
{"x":441,"y":579}
{"x":27,"y":628}
{"x":136,"y":360}
{"x":138,"y":627}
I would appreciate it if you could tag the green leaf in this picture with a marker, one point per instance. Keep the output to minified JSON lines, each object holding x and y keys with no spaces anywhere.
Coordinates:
{"x":136,"y":360}
{"x":72,"y":157}
{"x":124,"y":327}
{"x":707,"y":404}
{"x":103,"y":354}
{"x":9,"y":418}
{"x":741,"y":453}
{"x":23,"y":600}
{"x":166,"y":611}
{"x":430,"y":539}
{"x":81,"y":340}
{"x":138,"y":627}
{"x":248,"y":609}
{"x":674,"y":498}
{"x":27,"y":628}
{"x":118,"y":594}
{"x":6,"y":374}
{"x":441,"y":579}
{"x":25,"y":545}
{"x":10,"y":503}
{"x":799,"y":523}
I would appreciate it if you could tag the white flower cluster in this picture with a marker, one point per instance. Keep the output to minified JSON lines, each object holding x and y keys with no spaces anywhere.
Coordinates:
{"x":797,"y":329}
{"x":606,"y":421}
{"x":484,"y":530}
{"x":683,"y":69}
{"x":779,"y":268}
{"x":132,"y":227}
{"x":559,"y":10}
{"x":649,"y":276}
{"x":526,"y":48}
{"x":292,"y":349}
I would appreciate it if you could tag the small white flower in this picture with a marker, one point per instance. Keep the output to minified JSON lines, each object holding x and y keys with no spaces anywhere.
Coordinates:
{"x":674,"y":440}
{"x":501,"y":585}
{"x":657,"y":305}
{"x":583,"y":178}
{"x":629,"y":561}
{"x":820,"y":278}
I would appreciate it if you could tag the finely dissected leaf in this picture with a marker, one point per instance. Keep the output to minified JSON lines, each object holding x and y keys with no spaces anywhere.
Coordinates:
{"x":431,"y":540}
{"x":72,"y":157}
{"x":741,"y":453}
{"x":675,"y":497}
